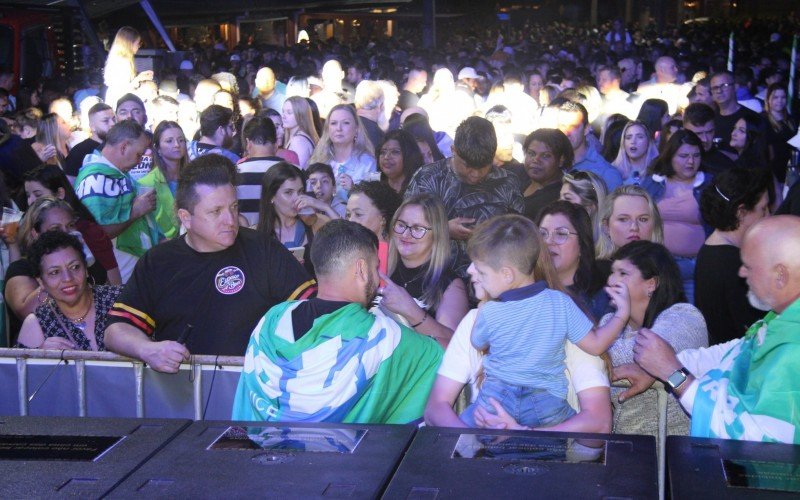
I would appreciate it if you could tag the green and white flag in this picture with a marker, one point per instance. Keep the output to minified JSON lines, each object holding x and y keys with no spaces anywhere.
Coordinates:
{"x":351,"y":367}
{"x":754,"y":394}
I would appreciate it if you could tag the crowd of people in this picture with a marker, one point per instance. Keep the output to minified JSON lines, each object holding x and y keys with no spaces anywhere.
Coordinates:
{"x":375,"y":230}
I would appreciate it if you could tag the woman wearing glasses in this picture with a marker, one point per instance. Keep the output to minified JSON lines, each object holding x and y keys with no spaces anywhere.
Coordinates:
{"x":548,"y":154}
{"x":421,"y":287}
{"x":567,"y":230}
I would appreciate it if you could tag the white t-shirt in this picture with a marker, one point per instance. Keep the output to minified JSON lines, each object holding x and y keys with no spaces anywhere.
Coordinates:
{"x":462,"y":363}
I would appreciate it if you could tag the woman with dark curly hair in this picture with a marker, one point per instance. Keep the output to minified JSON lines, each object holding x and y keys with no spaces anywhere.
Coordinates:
{"x":548,"y":154}
{"x":738,"y":199}
{"x":373,"y":204}
{"x":75,"y":313}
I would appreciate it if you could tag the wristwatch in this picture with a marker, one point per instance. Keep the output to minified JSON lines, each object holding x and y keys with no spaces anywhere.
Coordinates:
{"x":677,"y":378}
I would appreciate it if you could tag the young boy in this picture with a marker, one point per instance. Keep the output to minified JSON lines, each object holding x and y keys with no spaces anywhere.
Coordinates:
{"x":322,"y":183}
{"x":525,"y":328}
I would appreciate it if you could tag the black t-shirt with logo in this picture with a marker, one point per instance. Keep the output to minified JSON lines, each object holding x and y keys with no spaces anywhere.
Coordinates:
{"x":223,"y":295}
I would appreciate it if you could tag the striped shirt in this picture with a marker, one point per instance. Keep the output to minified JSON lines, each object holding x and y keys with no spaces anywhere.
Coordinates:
{"x":251,"y":172}
{"x":525,"y":331}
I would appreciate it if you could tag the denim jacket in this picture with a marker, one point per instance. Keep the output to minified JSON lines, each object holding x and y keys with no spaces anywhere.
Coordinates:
{"x":656,"y":186}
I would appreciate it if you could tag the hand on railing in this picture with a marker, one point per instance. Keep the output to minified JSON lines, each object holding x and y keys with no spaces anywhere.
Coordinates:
{"x":165,"y":356}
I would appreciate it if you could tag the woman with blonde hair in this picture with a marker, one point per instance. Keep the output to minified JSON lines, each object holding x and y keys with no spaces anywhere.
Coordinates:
{"x":636,"y":151}
{"x":300,"y":135}
{"x":119,"y":73}
{"x":345,"y":147}
{"x":423,"y":288}
{"x":52,"y":135}
{"x":589,"y":191}
{"x":628,"y":214}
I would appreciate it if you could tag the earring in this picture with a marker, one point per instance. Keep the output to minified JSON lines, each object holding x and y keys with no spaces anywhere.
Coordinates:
{"x":650,"y":293}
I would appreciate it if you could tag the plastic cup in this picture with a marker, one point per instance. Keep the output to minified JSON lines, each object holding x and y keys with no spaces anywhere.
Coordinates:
{"x":10,"y":222}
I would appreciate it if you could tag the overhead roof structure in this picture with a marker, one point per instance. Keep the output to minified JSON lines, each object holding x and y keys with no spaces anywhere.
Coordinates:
{"x":180,"y":10}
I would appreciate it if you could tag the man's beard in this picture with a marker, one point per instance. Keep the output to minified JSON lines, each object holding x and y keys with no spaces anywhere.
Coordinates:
{"x":371,"y":290}
{"x":757,"y":302}
{"x":227,"y":142}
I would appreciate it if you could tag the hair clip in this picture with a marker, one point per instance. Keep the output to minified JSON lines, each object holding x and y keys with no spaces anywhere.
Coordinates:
{"x":720,"y":193}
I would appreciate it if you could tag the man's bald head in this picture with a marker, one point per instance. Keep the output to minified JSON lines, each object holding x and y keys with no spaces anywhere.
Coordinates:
{"x":666,"y":70}
{"x":771,"y":262}
{"x":265,"y":80}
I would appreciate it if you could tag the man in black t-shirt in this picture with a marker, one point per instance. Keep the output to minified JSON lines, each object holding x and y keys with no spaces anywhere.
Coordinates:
{"x":210,"y":286}
{"x":730,"y":111}
{"x":101,"y":119}
{"x":699,"y":118}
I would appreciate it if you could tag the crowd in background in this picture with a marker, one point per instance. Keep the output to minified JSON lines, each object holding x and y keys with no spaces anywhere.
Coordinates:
{"x":637,"y":158}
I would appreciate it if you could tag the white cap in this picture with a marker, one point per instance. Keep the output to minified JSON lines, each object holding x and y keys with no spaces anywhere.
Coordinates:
{"x":467,"y":72}
{"x":235,"y":57}
{"x":187,"y":64}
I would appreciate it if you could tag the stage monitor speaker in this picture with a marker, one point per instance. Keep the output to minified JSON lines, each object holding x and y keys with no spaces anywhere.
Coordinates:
{"x":722,"y":468}
{"x":476,"y":463}
{"x":43,"y":457}
{"x":272,"y":460}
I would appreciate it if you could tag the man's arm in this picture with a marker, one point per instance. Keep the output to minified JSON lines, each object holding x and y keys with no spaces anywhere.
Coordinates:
{"x":127,"y":340}
{"x":439,"y":409}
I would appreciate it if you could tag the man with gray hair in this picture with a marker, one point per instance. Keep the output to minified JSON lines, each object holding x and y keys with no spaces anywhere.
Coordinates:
{"x":746,"y":388}
{"x":105,"y":186}
{"x":369,"y":108}
{"x":328,"y":359}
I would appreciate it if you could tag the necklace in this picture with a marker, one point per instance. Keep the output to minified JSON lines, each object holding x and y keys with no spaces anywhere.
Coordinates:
{"x":407,"y":281}
{"x":80,"y":323}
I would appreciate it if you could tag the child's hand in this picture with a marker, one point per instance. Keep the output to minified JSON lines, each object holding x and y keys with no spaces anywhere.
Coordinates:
{"x":621,"y":299}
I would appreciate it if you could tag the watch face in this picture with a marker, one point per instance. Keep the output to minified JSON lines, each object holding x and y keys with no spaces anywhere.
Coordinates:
{"x":676,"y":378}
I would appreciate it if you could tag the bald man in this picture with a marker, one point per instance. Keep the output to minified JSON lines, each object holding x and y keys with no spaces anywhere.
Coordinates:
{"x":664,"y":85}
{"x":269,"y":90}
{"x":332,"y":91}
{"x":748,"y":388}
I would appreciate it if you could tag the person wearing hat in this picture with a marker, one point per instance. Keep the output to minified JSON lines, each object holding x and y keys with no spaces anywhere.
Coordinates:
{"x":467,"y":77}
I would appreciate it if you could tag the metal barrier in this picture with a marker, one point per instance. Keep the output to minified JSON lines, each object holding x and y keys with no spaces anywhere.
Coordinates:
{"x":103,"y":384}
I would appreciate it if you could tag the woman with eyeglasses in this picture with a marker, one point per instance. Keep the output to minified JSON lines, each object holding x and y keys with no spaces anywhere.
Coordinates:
{"x":675,"y":183}
{"x":548,"y":154}
{"x":567,"y":230}
{"x":589,"y":191}
{"x":422,"y":289}
{"x":398,"y":158}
